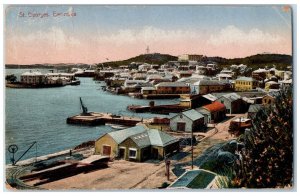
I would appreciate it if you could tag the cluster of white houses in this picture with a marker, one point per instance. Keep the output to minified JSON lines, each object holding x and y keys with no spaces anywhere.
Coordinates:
{"x":175,"y":78}
{"x":38,"y":78}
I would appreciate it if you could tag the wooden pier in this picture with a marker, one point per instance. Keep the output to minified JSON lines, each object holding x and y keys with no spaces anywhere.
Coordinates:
{"x":97,"y":118}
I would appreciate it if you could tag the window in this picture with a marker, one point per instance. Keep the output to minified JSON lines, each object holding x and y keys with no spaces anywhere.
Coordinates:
{"x":132,"y":153}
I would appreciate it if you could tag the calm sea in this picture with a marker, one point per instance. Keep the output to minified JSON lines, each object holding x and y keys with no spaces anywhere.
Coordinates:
{"x":40,"y":115}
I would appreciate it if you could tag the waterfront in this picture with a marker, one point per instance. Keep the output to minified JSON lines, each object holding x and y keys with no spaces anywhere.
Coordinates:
{"x":40,"y":115}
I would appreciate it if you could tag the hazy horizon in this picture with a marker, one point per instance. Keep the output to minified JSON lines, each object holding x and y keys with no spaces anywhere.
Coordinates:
{"x":133,"y":57}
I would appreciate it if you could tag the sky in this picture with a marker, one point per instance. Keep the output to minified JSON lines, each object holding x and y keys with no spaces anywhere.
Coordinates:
{"x":98,"y":33}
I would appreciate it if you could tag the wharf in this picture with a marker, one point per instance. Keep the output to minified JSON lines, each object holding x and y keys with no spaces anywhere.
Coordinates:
{"x":161,"y":96}
{"x":97,"y":118}
{"x":158,"y":109}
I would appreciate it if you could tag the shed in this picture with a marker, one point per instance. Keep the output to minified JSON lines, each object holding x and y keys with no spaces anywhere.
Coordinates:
{"x":199,"y":179}
{"x":187,"y":121}
{"x":137,"y":144}
{"x":233,"y":103}
{"x":108,"y":143}
{"x":213,"y":112}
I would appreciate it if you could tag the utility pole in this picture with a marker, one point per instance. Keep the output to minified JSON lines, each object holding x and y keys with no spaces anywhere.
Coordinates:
{"x":147,"y":50}
{"x":192,"y":150}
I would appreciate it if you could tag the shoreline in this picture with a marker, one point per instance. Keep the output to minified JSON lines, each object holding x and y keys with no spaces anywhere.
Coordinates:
{"x":46,"y":157}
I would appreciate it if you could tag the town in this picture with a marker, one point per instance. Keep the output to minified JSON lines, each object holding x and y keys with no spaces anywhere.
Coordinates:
{"x":215,"y":105}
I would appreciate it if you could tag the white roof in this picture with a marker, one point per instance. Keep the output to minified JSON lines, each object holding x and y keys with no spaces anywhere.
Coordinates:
{"x":35,"y":73}
{"x":260,"y":70}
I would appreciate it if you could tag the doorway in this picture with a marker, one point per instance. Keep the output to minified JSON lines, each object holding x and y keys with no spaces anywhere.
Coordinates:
{"x":181,"y":126}
{"x":122,"y":153}
{"x":106,"y":150}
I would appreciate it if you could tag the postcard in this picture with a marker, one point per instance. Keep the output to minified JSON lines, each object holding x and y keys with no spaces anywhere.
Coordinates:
{"x":148,"y":97}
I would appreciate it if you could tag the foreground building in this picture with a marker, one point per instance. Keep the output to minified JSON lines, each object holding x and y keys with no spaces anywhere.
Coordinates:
{"x":214,"y":112}
{"x":233,"y":103}
{"x":187,"y":121}
{"x":137,"y":144}
{"x":199,"y":179}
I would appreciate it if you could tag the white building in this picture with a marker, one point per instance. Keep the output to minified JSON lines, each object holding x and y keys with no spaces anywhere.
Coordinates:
{"x":34,"y":78}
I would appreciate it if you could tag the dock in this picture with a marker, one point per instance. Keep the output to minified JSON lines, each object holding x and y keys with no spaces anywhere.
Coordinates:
{"x":98,"y":118}
{"x":158,"y":109}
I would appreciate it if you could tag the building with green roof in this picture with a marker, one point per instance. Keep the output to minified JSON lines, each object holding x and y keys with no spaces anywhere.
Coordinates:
{"x":137,"y":143}
{"x":188,"y":121}
{"x":199,"y":179}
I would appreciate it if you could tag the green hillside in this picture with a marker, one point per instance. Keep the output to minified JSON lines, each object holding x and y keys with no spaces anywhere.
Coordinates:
{"x":155,"y":58}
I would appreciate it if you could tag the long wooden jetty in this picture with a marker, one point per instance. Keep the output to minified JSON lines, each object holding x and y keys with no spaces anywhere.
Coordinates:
{"x":97,"y":118}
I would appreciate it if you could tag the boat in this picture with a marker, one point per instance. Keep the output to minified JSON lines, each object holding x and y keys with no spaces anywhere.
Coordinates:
{"x":114,"y":126}
{"x":75,"y":82}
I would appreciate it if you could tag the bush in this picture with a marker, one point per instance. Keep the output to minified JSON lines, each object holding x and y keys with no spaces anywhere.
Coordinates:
{"x":267,"y":159}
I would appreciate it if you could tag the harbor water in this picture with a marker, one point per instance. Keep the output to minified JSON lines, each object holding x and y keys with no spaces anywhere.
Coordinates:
{"x":40,"y":115}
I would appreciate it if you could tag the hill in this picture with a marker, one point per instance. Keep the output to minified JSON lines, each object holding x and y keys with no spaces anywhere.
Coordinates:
{"x":155,"y":58}
{"x":259,"y":60}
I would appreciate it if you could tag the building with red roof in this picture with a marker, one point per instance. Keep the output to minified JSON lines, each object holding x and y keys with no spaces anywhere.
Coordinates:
{"x":214,"y":112}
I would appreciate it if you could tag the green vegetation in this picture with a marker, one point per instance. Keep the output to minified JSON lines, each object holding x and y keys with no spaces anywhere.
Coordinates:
{"x":256,"y":61}
{"x":11,"y":78}
{"x":267,"y":161}
{"x":155,"y":58}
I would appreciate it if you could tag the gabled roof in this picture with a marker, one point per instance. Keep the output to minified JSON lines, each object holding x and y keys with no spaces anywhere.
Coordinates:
{"x":193,"y":114}
{"x":210,"y":97}
{"x":194,"y":179}
{"x":120,"y":136}
{"x":215,"y":106}
{"x":232,"y":96}
{"x":143,"y":136}
{"x":172,"y":84}
{"x":141,"y":139}
{"x":160,"y":138}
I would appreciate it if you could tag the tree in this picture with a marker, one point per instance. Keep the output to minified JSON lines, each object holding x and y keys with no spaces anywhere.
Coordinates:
{"x":11,"y":78}
{"x":267,"y":158}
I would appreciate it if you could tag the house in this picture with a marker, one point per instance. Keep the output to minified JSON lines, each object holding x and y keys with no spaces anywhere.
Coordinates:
{"x":144,"y":67}
{"x":172,"y":88}
{"x":223,"y":76}
{"x":271,"y":85}
{"x":187,"y":121}
{"x":201,"y":100}
{"x":245,"y":84}
{"x":68,"y":76}
{"x":34,"y":78}
{"x":253,"y":109}
{"x":233,"y":103}
{"x":268,"y":99}
{"x":115,"y":81}
{"x":137,"y":143}
{"x":199,"y":179}
{"x":207,"y":86}
{"x":214,"y":112}
{"x":190,"y":57}
{"x":184,"y":73}
{"x":148,"y":90}
{"x":260,"y":74}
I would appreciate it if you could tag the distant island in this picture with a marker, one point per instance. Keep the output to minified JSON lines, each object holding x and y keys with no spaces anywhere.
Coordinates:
{"x":258,"y":60}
